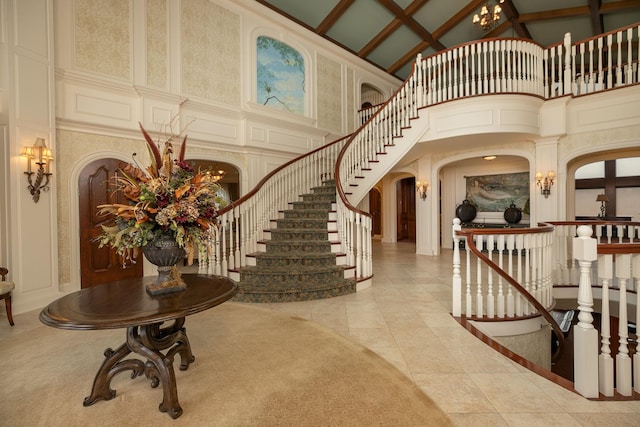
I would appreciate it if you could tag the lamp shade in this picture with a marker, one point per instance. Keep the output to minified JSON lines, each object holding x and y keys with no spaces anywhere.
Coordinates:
{"x":602,"y":198}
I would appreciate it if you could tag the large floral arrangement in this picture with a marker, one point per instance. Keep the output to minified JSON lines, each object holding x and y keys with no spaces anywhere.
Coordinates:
{"x":169,"y":196}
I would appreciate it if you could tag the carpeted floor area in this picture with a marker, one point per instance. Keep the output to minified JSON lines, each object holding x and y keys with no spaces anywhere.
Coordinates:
{"x":253,"y":367}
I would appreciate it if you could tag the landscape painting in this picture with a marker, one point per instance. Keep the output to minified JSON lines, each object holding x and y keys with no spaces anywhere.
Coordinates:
{"x":494,"y":193}
{"x":280,"y":76}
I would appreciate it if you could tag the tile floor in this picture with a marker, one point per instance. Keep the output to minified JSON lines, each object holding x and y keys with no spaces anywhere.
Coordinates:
{"x":404,"y":317}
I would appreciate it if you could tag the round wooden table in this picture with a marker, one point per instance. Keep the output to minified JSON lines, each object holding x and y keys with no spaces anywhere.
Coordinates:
{"x":126,"y":304}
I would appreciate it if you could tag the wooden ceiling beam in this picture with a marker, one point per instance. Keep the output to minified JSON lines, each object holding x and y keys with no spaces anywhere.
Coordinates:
{"x":512,"y":15}
{"x":619,"y":5}
{"x":411,"y":23}
{"x":390,"y":28}
{"x":597,"y":23}
{"x":568,"y":12}
{"x":333,"y":16}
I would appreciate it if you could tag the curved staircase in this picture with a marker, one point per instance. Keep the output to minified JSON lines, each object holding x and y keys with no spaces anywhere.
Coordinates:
{"x":298,"y":259}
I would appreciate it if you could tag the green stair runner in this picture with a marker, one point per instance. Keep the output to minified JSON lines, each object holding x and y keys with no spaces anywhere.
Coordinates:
{"x":298,"y":264}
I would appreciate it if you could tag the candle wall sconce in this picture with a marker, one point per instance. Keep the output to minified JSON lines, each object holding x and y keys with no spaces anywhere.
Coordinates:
{"x":43,"y":157}
{"x":545,"y":183}
{"x":422,"y":188}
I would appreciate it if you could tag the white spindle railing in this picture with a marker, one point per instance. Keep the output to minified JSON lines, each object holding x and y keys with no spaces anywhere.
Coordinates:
{"x":242,"y":224}
{"x":496,"y":261}
{"x":563,"y":254}
{"x":480,"y":68}
{"x":617,"y":281}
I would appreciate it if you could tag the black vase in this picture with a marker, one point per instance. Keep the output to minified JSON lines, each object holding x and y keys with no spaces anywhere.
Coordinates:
{"x":466,"y":211}
{"x":164,"y":252}
{"x":512,"y":214}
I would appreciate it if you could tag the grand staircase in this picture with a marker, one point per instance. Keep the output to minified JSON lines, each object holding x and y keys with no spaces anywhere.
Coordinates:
{"x":298,"y":260}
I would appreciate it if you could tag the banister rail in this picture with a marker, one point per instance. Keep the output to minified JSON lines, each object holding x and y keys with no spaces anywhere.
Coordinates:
{"x":532,"y":298}
{"x":602,"y":265}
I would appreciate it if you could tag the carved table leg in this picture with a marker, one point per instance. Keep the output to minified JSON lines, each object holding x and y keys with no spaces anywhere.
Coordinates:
{"x":147,"y":342}
{"x":111,"y":365}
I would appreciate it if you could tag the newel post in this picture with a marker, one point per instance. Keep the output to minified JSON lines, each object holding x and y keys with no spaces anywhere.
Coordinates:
{"x":567,"y":64}
{"x":585,"y":348}
{"x":457,"y":279}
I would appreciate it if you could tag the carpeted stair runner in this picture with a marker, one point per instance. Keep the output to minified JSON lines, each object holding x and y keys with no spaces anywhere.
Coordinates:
{"x":298,"y":263}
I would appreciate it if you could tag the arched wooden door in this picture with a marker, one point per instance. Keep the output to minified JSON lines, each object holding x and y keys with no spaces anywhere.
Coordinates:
{"x":375,"y":209}
{"x":406,"y":208}
{"x":99,"y":265}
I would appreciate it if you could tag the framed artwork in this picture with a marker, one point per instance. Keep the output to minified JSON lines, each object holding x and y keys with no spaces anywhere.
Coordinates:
{"x":494,"y":193}
{"x":280,"y":76}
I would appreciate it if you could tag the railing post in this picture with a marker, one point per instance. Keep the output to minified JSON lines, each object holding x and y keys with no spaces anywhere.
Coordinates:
{"x":457,"y":279}
{"x":623,"y":361}
{"x":567,"y":64}
{"x":635,"y":268}
{"x":605,"y":366}
{"x":585,"y":335}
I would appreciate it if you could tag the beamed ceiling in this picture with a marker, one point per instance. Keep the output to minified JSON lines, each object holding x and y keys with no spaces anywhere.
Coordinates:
{"x":390,"y":33}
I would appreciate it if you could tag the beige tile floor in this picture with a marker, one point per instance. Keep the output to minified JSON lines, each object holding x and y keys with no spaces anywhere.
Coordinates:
{"x":404,"y":317}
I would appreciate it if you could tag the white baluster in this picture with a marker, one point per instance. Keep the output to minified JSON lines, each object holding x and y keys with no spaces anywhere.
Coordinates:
{"x":623,"y":361}
{"x":479,"y":294}
{"x":519,"y":309}
{"x":605,"y":365}
{"x":510,"y":298}
{"x":457,"y":280}
{"x":491,"y":304}
{"x":585,"y":335}
{"x":500,"y":297}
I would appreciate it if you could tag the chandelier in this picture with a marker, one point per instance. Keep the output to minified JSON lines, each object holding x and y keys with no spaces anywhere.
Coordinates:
{"x":488,"y":17}
{"x":215,"y":175}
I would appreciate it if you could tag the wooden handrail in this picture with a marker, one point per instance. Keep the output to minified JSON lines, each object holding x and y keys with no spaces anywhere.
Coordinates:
{"x":530,"y":298}
{"x":259,"y":185}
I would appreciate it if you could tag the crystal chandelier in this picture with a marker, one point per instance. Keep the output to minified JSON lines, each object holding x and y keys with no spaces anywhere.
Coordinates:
{"x":488,"y":17}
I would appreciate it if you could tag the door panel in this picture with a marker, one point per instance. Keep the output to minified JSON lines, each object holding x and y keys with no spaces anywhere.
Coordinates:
{"x":100,"y":265}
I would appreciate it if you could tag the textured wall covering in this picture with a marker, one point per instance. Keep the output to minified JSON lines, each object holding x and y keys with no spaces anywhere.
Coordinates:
{"x":71,"y":147}
{"x":210,"y":52}
{"x":157,"y":43}
{"x":351,"y":101}
{"x":329,"y":94}
{"x":103,"y":39}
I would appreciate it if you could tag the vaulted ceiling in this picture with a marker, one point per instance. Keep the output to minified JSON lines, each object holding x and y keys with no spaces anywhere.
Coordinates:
{"x":390,"y":33}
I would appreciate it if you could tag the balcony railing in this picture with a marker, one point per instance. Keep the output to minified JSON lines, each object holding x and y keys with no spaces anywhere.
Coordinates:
{"x":516,"y":273}
{"x":480,"y":68}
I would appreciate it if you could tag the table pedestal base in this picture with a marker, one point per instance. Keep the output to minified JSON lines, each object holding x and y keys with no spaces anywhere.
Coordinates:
{"x":147,"y":341}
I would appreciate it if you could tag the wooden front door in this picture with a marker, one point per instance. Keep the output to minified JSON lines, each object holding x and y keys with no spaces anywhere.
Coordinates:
{"x":406,"y":208}
{"x":375,"y":209}
{"x":100,"y":265}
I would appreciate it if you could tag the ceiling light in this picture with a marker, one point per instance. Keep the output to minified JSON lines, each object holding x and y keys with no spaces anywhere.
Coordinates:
{"x":489,"y":17}
{"x":490,"y":157}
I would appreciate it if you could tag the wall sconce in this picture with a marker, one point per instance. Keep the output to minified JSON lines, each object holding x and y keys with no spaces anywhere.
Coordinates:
{"x":545,"y":183}
{"x":422,"y":188}
{"x":43,"y":157}
{"x":603,"y":199}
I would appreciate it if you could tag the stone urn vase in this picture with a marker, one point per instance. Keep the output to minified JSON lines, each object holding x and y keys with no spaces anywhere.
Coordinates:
{"x":164,"y":252}
{"x":512,"y":214}
{"x":466,"y":211}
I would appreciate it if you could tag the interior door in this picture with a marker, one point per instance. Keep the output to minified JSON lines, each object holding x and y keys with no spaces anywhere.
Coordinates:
{"x":100,"y":265}
{"x":375,"y":209}
{"x":406,"y":208}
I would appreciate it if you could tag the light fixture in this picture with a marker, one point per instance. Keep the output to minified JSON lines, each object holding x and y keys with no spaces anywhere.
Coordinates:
{"x":603,"y":199}
{"x":422,"y":188}
{"x":43,"y":157}
{"x":217,"y":175}
{"x":490,"y":157}
{"x":545,"y":183}
{"x":489,"y":17}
